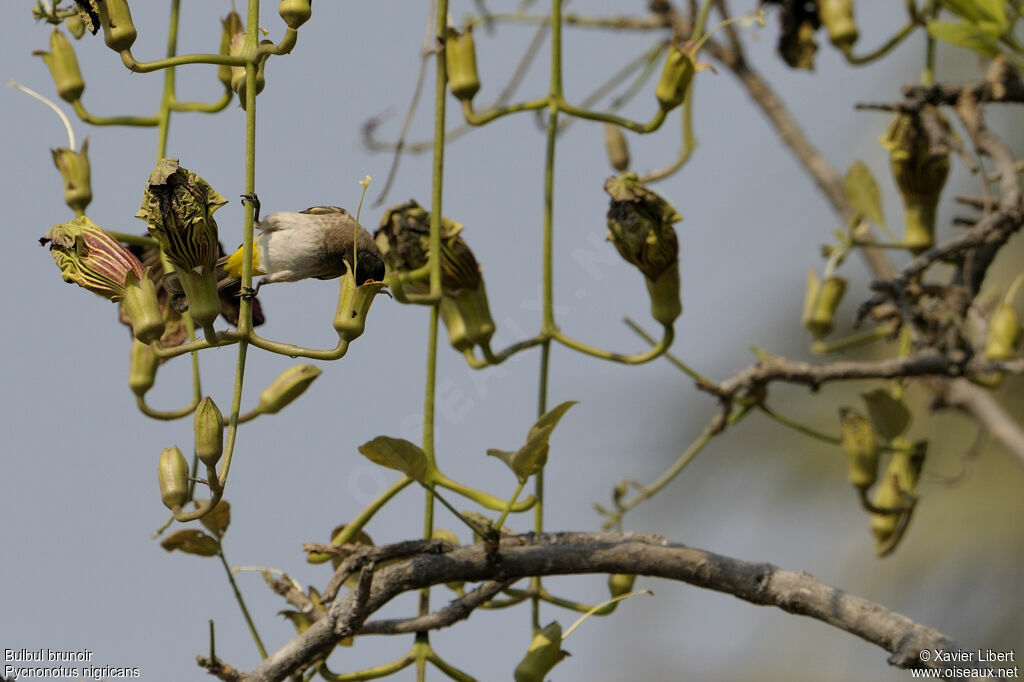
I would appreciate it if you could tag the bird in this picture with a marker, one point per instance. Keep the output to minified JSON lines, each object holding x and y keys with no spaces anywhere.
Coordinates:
{"x":317,"y":242}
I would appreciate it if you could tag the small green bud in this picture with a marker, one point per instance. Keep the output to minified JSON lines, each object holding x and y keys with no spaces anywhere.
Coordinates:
{"x":172,"y":475}
{"x":616,"y":146}
{"x":90,"y":257}
{"x":544,"y":653}
{"x":76,"y":25}
{"x":295,"y":12}
{"x":460,"y":58}
{"x":837,"y":15}
{"x":860,"y":445}
{"x":63,"y":65}
{"x":1003,"y":338}
{"x":287,"y":387}
{"x":142,"y":368}
{"x":920,"y":172}
{"x":209,"y":432}
{"x":820,"y":303}
{"x":676,"y":76}
{"x":238,"y":80}
{"x":75,"y":171}
{"x":116,"y":18}
{"x":620,"y":583}
{"x":231,"y":25}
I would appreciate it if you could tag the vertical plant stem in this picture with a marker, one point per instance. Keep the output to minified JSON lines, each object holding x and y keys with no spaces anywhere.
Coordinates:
{"x":241,"y":605}
{"x":167,"y":98}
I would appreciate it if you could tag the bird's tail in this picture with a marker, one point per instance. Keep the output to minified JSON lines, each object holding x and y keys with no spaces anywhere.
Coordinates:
{"x":229,"y":268}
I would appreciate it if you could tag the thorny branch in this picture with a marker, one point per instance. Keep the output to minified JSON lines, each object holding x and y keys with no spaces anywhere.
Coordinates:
{"x":577,"y":553}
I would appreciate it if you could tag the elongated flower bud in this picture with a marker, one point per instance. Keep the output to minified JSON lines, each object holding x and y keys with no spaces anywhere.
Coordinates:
{"x":616,"y":146}
{"x":178,"y":207}
{"x":837,"y":15}
{"x":76,"y":174}
{"x":820,"y":303}
{"x":231,"y":25}
{"x":172,"y":474}
{"x":860,"y":445}
{"x":295,"y":12}
{"x":238,"y":80}
{"x":118,"y":30}
{"x":1004,"y":334}
{"x":920,"y":171}
{"x":90,"y":257}
{"x":76,"y":25}
{"x":544,"y":654}
{"x":208,"y":423}
{"x":676,"y":76}
{"x":896,"y":491}
{"x":460,"y":58}
{"x":63,"y":65}
{"x":142,"y":368}
{"x":292,"y":383}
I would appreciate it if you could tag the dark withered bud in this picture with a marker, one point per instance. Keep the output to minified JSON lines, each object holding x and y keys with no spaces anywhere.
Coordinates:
{"x":295,"y":12}
{"x":172,"y":474}
{"x":640,"y":226}
{"x":837,"y":15}
{"x":798,"y":47}
{"x":616,"y":146}
{"x":142,"y":368}
{"x":231,"y":25}
{"x":208,"y":424}
{"x":676,"y":76}
{"x":820,"y":303}
{"x":76,"y":174}
{"x":859,"y":443}
{"x":460,"y":58}
{"x":178,"y":207}
{"x":920,"y":169}
{"x":63,"y":65}
{"x":116,"y":18}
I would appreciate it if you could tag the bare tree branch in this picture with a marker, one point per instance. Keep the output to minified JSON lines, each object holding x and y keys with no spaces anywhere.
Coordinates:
{"x":449,"y":615}
{"x":637,"y":553}
{"x":982,"y":406}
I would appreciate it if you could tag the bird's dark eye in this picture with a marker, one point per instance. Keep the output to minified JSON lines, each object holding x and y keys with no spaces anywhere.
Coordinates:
{"x":369,"y":266}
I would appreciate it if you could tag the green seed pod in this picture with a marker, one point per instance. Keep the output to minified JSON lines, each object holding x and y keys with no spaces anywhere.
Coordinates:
{"x":63,"y":65}
{"x":76,"y":25}
{"x":676,"y":76}
{"x":620,"y":583}
{"x":460,"y":58}
{"x":287,"y":387}
{"x":455,"y":324}
{"x":820,"y":303}
{"x":118,"y":30}
{"x":616,"y":146}
{"x":142,"y":368}
{"x":544,"y":654}
{"x":860,"y":445}
{"x":172,"y":475}
{"x":920,"y":172}
{"x":77,"y":175}
{"x":231,"y":25}
{"x":1003,"y":338}
{"x":295,"y":12}
{"x":837,"y":15}
{"x":209,"y":432}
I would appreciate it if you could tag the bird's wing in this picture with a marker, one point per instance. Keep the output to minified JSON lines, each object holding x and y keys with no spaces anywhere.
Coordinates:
{"x":325,"y":210}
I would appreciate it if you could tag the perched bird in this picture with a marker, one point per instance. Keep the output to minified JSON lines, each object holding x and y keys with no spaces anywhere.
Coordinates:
{"x":318,"y":242}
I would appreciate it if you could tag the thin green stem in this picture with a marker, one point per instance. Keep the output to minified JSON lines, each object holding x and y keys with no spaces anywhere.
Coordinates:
{"x":169,"y":415}
{"x":546,"y":596}
{"x":882,"y":50}
{"x":475,"y":527}
{"x":685,"y":368}
{"x":475,"y":118}
{"x":701,"y":22}
{"x":241,"y":604}
{"x":797,"y":426}
{"x":205,"y":107}
{"x":649,"y":127}
{"x":134,"y":239}
{"x":138,"y":121}
{"x":448,"y":669}
{"x":374,"y":673}
{"x":148,"y":67}
{"x":512,"y":500}
{"x":689,"y":143}
{"x":299,"y":351}
{"x":353,"y":527}
{"x":820,"y":346}
{"x":167,"y":96}
{"x":668,"y":334}
{"x":485,"y":500}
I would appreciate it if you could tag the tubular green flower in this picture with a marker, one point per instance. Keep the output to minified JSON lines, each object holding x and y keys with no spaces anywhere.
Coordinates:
{"x":63,"y":67}
{"x":75,"y":171}
{"x":90,"y":257}
{"x":460,"y":58}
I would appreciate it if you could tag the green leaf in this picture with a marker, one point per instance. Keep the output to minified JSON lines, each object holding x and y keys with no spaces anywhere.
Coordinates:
{"x":980,"y":12}
{"x":970,"y":36}
{"x":890,"y":416}
{"x":532,"y":457}
{"x":862,"y":192}
{"x":192,"y":541}
{"x":218,"y":520}
{"x":398,"y":454}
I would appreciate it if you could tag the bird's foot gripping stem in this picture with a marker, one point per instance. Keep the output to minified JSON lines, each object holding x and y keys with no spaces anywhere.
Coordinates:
{"x":250,"y":292}
{"x":255,"y":201}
